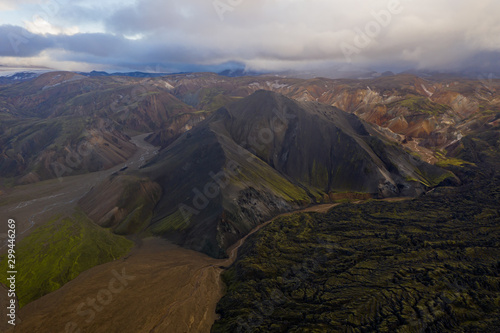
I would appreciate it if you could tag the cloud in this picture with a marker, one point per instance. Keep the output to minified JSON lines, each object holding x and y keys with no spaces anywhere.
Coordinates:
{"x":273,"y":34}
{"x":13,"y":4}
{"x":19,"y":42}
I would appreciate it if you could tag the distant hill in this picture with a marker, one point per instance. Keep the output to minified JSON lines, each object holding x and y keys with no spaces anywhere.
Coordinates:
{"x":128,"y":74}
{"x":18,"y":77}
{"x":47,"y":119}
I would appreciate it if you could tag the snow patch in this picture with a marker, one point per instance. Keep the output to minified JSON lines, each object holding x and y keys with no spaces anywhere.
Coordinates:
{"x":426,"y":91}
{"x":168,"y":85}
{"x":276,"y":85}
{"x":51,"y":86}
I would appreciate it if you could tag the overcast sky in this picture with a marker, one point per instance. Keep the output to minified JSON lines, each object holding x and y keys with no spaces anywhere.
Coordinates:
{"x":181,"y":35}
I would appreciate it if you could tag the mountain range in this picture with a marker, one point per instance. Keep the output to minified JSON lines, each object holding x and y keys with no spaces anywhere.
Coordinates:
{"x":97,"y":164}
{"x":264,"y":155}
{"x":425,"y":115}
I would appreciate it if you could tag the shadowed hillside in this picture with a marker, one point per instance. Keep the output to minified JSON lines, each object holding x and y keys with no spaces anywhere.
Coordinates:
{"x":265,"y":155}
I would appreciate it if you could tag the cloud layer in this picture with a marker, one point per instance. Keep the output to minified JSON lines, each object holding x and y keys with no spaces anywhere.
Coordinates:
{"x":262,"y":34}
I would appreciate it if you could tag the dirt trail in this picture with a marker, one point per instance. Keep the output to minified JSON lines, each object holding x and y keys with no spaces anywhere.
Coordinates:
{"x":173,"y":290}
{"x":233,"y":250}
{"x":165,"y":289}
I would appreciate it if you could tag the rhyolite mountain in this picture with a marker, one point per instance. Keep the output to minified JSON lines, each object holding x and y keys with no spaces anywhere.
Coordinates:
{"x":44,"y":123}
{"x":34,"y":149}
{"x":433,"y":111}
{"x":236,"y":152}
{"x":423,"y":114}
{"x":264,"y":155}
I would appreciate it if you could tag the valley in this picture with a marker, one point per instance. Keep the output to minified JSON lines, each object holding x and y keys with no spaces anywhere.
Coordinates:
{"x":191,"y":289}
{"x":234,"y":166}
{"x":199,"y":188}
{"x":33,"y":205}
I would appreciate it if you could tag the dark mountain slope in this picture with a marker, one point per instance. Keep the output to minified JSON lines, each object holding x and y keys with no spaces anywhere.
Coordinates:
{"x":324,"y":148}
{"x":265,"y":155}
{"x":214,"y":191}
{"x":428,"y":264}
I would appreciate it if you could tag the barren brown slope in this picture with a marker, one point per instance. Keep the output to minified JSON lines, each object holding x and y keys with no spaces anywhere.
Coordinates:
{"x":165,"y":289}
{"x":34,"y":204}
{"x":66,"y":121}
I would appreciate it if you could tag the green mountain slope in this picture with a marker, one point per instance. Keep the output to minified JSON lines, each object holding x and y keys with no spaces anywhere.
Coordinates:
{"x":58,"y":252}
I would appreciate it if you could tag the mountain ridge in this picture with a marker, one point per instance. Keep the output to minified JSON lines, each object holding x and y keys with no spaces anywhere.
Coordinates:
{"x":267,"y":154}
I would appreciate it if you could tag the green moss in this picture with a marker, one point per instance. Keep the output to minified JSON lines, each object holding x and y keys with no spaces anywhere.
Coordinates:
{"x":446,"y":162}
{"x":430,"y":177}
{"x":421,"y":104}
{"x":138,"y":199}
{"x":318,"y":196}
{"x":58,"y":252}
{"x":319,"y":177}
{"x":429,"y":263}
{"x":173,"y":222}
{"x":149,"y":93}
{"x":212,"y":99}
{"x":260,"y":173}
{"x":135,"y":222}
{"x":201,"y":112}
{"x":440,"y":154}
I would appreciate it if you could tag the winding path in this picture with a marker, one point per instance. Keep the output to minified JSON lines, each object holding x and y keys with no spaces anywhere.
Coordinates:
{"x":233,"y":250}
{"x":173,"y":289}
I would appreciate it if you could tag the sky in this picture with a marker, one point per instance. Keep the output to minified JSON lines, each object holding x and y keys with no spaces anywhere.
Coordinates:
{"x":259,"y":35}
